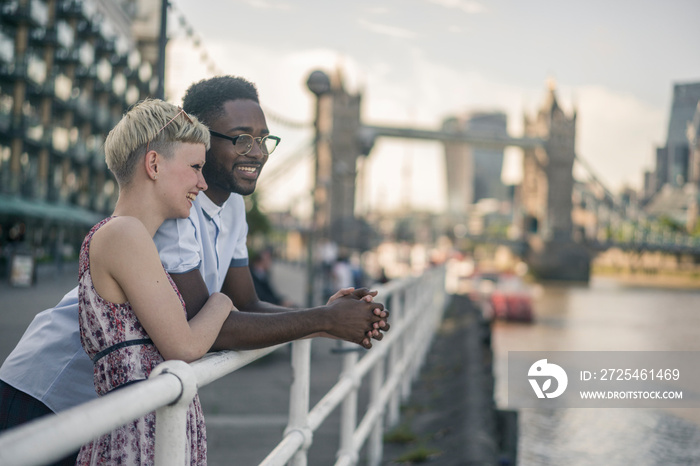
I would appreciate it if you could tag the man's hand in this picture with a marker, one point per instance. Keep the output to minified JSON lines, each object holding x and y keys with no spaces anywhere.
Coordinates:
{"x":350,"y":299}
{"x":358,"y":293}
{"x":366,"y":295}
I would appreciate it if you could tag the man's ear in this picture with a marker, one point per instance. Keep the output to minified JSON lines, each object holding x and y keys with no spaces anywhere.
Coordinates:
{"x":151,"y":161}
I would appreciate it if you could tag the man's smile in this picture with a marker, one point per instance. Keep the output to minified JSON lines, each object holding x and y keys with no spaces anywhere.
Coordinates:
{"x":248,"y":171}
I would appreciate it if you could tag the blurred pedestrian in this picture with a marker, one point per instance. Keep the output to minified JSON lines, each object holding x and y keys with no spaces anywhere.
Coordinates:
{"x":260,"y":270}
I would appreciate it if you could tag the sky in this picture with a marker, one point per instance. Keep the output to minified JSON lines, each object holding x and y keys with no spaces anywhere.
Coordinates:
{"x":418,"y":62}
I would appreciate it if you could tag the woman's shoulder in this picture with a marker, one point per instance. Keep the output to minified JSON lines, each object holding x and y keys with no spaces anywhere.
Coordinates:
{"x":123,"y":229}
{"x":122,"y":243}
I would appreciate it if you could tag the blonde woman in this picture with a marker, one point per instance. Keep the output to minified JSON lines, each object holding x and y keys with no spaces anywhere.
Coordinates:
{"x":131,"y":314}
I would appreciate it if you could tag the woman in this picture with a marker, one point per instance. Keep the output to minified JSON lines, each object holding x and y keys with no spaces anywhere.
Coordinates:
{"x":132,"y":317}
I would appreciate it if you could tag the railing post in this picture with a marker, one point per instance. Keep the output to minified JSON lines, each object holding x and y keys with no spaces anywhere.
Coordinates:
{"x":348,"y":417}
{"x":409,"y":337}
{"x":171,"y":421}
{"x":393,"y":412}
{"x":299,"y":398}
{"x":375,"y":447}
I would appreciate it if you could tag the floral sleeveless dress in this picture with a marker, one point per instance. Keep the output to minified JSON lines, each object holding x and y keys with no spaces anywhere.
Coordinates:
{"x":123,"y":354}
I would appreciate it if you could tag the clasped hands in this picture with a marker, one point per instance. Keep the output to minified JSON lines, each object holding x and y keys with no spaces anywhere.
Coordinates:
{"x":378,"y":324}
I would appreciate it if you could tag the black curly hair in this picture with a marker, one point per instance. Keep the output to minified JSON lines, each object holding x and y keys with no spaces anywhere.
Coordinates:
{"x":205,"y":99}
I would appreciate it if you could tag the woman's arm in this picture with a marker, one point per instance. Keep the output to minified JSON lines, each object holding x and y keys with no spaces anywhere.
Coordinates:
{"x":125,"y":266}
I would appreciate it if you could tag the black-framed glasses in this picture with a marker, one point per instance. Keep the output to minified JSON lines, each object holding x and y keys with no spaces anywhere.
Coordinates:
{"x":243,"y":143}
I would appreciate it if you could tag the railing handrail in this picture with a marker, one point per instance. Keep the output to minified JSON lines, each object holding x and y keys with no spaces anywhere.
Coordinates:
{"x":417,"y":304}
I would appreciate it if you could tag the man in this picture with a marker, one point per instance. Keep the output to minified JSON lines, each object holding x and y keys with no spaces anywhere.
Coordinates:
{"x":49,"y":371}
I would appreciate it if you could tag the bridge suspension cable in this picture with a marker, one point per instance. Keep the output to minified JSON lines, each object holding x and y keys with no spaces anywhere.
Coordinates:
{"x":213,"y":68}
{"x":286,"y":121}
{"x":608,"y":194}
{"x":302,"y":153}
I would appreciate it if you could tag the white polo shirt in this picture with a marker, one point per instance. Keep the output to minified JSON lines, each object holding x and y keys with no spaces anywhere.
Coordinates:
{"x":211,"y":239}
{"x":49,"y":362}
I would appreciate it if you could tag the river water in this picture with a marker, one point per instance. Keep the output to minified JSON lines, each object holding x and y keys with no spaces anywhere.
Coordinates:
{"x":605,"y":315}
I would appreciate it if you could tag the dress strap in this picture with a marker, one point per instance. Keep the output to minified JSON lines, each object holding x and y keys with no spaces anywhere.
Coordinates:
{"x":84,"y":260}
{"x":123,"y":344}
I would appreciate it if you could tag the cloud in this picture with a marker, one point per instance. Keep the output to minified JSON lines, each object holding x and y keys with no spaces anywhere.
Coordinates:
{"x":468,"y":6}
{"x":617,"y":133}
{"x":386,"y":30}
{"x":268,"y":5}
{"x":378,"y":10}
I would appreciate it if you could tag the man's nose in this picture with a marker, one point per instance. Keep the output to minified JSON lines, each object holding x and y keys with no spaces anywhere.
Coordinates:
{"x":256,"y":151}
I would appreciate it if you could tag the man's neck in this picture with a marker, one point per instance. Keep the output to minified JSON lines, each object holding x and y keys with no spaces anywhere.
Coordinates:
{"x":217,"y":196}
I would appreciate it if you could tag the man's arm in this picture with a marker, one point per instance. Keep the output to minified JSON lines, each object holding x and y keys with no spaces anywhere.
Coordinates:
{"x":239,"y":284}
{"x":263,"y":324}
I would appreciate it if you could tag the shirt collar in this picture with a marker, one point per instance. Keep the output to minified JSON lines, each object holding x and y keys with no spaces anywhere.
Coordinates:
{"x":212,"y":210}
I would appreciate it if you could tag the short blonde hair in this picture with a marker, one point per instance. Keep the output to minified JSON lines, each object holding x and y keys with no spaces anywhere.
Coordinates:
{"x":150,"y":123}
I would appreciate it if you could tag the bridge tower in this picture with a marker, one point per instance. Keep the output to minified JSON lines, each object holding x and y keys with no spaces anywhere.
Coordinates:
{"x":338,"y":147}
{"x":545,"y":195}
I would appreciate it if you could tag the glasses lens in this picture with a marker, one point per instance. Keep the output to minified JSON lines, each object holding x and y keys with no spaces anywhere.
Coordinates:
{"x":244,"y":144}
{"x":268,"y":145}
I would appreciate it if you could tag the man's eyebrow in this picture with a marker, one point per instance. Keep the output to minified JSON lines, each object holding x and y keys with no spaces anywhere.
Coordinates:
{"x":247,"y":130}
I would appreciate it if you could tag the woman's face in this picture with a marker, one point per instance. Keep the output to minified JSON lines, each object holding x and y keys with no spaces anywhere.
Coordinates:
{"x":182,"y":178}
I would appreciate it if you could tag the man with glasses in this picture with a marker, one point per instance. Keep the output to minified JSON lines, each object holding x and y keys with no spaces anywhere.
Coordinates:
{"x":48,"y":371}
{"x":207,"y":251}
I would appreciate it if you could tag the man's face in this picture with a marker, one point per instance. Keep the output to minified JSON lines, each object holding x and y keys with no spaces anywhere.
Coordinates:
{"x":226,"y":171}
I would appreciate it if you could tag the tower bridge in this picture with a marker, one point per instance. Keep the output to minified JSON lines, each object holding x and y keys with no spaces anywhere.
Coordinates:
{"x":550,"y":243}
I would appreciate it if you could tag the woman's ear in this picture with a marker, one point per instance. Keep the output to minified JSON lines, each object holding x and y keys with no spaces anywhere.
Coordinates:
{"x":151,"y":161}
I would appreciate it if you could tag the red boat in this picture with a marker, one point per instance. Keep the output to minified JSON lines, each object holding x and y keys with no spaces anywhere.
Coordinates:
{"x":502,"y":296}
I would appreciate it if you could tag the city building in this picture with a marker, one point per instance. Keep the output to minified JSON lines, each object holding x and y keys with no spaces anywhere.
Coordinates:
{"x":693,"y":134}
{"x":69,"y":69}
{"x":474,"y":173}
{"x":488,"y":163}
{"x":677,"y":177}
{"x":672,"y":160}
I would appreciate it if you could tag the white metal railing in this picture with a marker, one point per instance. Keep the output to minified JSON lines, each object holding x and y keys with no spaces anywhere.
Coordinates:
{"x":416,"y":306}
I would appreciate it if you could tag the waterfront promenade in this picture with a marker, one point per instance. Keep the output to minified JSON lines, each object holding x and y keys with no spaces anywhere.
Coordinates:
{"x":246,"y":411}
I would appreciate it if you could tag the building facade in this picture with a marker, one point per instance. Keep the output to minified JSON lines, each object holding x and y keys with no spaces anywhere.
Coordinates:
{"x":673,"y":160}
{"x":69,"y":70}
{"x":474,"y":173}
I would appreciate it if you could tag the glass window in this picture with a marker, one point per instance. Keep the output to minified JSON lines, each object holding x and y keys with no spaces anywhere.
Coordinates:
{"x":145,"y":71}
{"x":132,"y":95}
{"x":87,"y":54}
{"x":7,"y":47}
{"x":36,"y":69}
{"x":134,"y":59}
{"x":104,"y":70}
{"x":119,"y":84}
{"x":122,"y":45}
{"x":66,"y":35}
{"x":35,"y":132}
{"x":60,"y":139}
{"x":5,"y":104}
{"x":93,"y":142}
{"x":29,"y":111}
{"x":63,"y":87}
{"x":39,"y":12}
